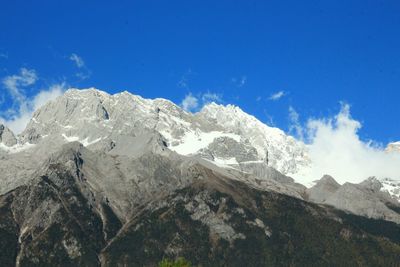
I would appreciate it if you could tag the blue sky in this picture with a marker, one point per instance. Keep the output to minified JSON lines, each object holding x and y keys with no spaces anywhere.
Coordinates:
{"x":317,"y":53}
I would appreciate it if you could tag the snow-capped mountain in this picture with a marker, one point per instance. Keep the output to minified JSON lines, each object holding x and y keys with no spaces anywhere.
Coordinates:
{"x":95,"y":178}
{"x":224,"y":135}
{"x":92,"y":116}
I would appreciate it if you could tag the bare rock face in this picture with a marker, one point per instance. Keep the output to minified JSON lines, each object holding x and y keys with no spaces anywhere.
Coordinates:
{"x":91,"y":116}
{"x":7,"y":137}
{"x":226,"y":148}
{"x":64,"y":217}
{"x":365,"y":199}
{"x":323,"y":189}
{"x":118,"y":180}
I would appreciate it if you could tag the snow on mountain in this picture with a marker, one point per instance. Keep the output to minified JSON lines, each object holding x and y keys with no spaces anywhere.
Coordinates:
{"x":224,"y":135}
{"x":391,"y":186}
{"x":281,"y":151}
{"x":90,"y":116}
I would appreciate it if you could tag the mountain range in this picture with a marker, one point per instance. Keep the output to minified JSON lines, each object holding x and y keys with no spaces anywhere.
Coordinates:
{"x":118,"y":180}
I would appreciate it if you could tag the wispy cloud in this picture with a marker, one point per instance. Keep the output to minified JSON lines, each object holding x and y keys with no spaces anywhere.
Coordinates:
{"x":19,"y":114}
{"x":4,"y":55}
{"x":211,"y":97}
{"x":239,"y":82}
{"x":184,"y":80}
{"x":295,"y":127}
{"x":14,"y":84}
{"x":269,"y":118}
{"x":77,"y":60}
{"x":276,"y":96}
{"x":190,"y":102}
{"x":84,"y":72}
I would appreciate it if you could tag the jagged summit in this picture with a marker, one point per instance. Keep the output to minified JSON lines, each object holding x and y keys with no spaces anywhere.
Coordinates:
{"x":91,"y":116}
{"x":327,"y":180}
{"x":95,"y":178}
{"x":323,"y":188}
{"x":7,"y":137}
{"x":121,"y":123}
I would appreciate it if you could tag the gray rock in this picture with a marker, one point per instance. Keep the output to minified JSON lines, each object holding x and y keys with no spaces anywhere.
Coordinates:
{"x":323,"y":189}
{"x":7,"y":137}
{"x":365,"y":199}
{"x":226,"y":148}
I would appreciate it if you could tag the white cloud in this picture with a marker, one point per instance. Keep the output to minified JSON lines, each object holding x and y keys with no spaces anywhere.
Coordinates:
{"x":84,"y":72}
{"x":15,"y":83}
{"x":77,"y":60}
{"x":23,"y":107}
{"x":295,"y":127}
{"x":335,"y":148}
{"x":277,"y":95}
{"x":45,"y":96}
{"x":21,"y":117}
{"x":193,"y":103}
{"x":190,"y":102}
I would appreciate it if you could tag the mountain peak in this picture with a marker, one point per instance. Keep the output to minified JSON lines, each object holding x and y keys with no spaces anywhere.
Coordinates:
{"x":7,"y":137}
{"x":90,"y":116}
{"x":372,"y":183}
{"x":327,"y":179}
{"x":85,"y":91}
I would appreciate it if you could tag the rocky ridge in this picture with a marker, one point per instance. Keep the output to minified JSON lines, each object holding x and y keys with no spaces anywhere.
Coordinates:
{"x":94,"y":174}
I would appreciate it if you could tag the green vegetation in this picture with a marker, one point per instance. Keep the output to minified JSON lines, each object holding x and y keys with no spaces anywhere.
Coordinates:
{"x":302,"y":234}
{"x":296,"y":233}
{"x":181,"y":262}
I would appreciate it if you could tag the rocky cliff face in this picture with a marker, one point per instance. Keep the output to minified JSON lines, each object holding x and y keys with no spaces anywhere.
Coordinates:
{"x":75,"y":211}
{"x":90,"y":116}
{"x":7,"y":137}
{"x":366,"y":199}
{"x":118,"y":180}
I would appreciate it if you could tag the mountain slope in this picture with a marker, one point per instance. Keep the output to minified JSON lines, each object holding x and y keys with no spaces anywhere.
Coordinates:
{"x":91,"y":115}
{"x":118,"y":180}
{"x":63,"y":218}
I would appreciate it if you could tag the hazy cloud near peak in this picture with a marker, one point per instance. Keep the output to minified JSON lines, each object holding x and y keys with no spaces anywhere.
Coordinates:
{"x":295,"y":127}
{"x":23,"y":106}
{"x":190,"y":102}
{"x":14,"y":84}
{"x":335,"y":148}
{"x":211,"y":97}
